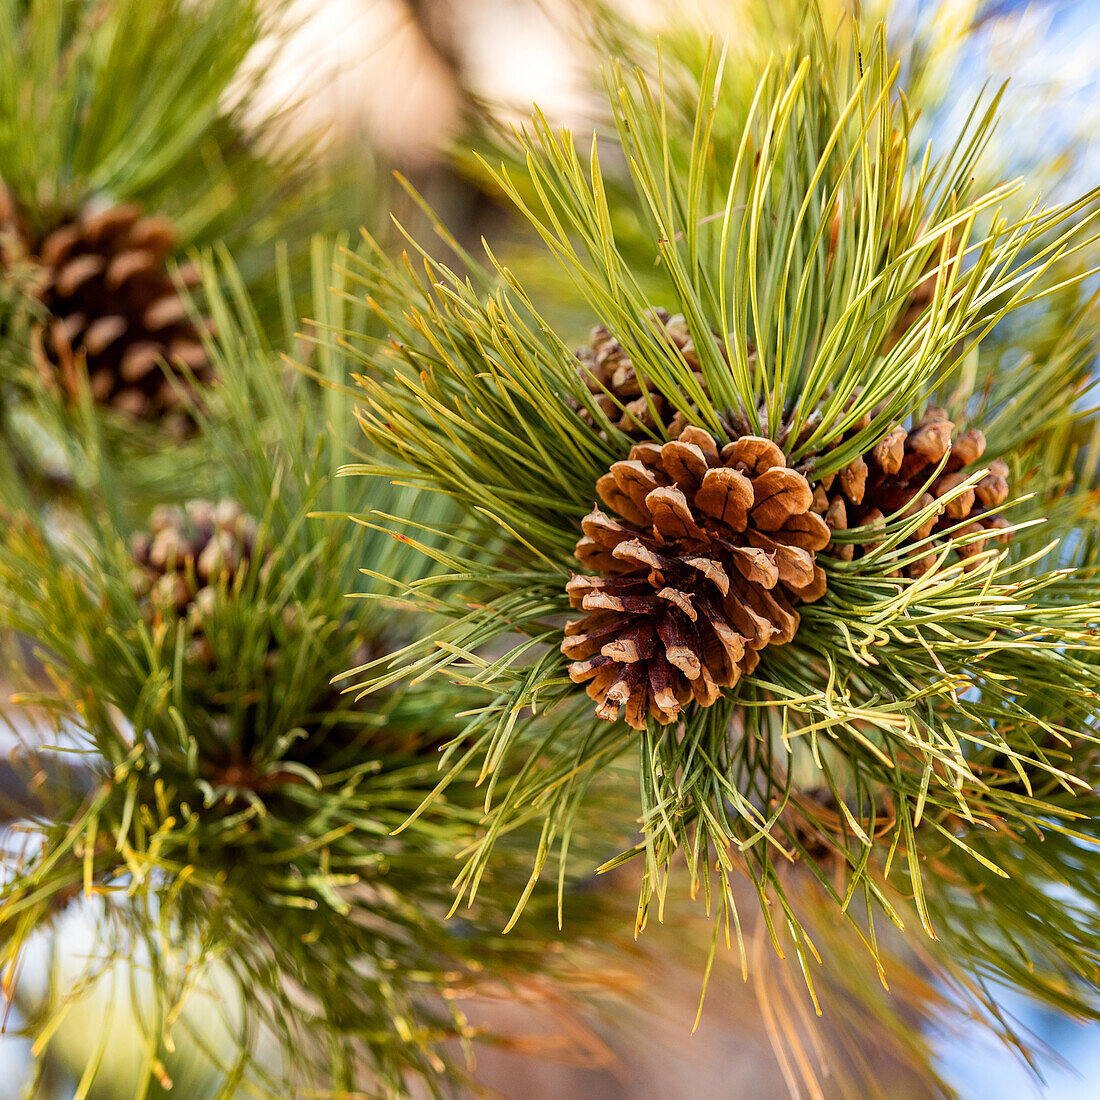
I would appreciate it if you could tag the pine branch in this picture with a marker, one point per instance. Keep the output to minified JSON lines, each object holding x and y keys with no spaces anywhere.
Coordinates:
{"x":240,"y":809}
{"x":130,"y":134}
{"x":940,"y":691}
{"x":86,"y":109}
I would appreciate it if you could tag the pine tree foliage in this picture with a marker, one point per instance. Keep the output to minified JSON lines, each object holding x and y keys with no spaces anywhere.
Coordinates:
{"x":935,"y":734}
{"x":149,"y":111}
{"x":888,"y":817}
{"x":926,"y":40}
{"x":149,"y":102}
{"x":229,"y":809}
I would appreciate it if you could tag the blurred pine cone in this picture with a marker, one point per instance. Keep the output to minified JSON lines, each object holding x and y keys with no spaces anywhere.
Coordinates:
{"x":617,"y":383}
{"x":186,"y":558}
{"x":186,"y":555}
{"x":102,"y":278}
{"x":701,"y":571}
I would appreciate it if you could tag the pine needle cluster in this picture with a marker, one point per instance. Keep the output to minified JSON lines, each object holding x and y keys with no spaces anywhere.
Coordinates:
{"x":150,"y":102}
{"x":922,"y":745}
{"x":231,"y":811}
{"x":134,"y":133}
{"x":750,"y":514}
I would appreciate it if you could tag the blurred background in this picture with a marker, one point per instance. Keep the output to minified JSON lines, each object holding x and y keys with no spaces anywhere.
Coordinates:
{"x":396,"y":77}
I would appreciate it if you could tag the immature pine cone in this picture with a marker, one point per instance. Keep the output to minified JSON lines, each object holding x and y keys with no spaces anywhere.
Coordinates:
{"x":699,"y":573}
{"x":188,"y":553}
{"x":612,"y":377}
{"x":890,"y":477}
{"x":103,"y":278}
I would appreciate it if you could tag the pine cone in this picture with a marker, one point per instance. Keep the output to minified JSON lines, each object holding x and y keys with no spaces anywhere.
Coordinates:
{"x":610,"y":375}
{"x":102,"y":277}
{"x":701,"y":571}
{"x":184,"y":558}
{"x":890,"y":479}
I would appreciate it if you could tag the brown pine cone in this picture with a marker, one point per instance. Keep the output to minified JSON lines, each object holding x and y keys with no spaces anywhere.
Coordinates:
{"x":612,"y":377}
{"x":891,"y":477}
{"x":187,"y":554}
{"x":700,"y":572}
{"x":102,"y":277}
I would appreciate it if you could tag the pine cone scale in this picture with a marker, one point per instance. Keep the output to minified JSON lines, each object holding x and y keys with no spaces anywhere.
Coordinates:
{"x":726,"y":495}
{"x":671,"y":516}
{"x":102,"y":333}
{"x":70,"y":278}
{"x":778,"y":494}
{"x":165,"y":312}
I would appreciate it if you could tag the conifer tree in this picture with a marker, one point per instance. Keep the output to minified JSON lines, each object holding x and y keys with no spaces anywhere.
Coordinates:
{"x":130,"y":135}
{"x":175,"y":591}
